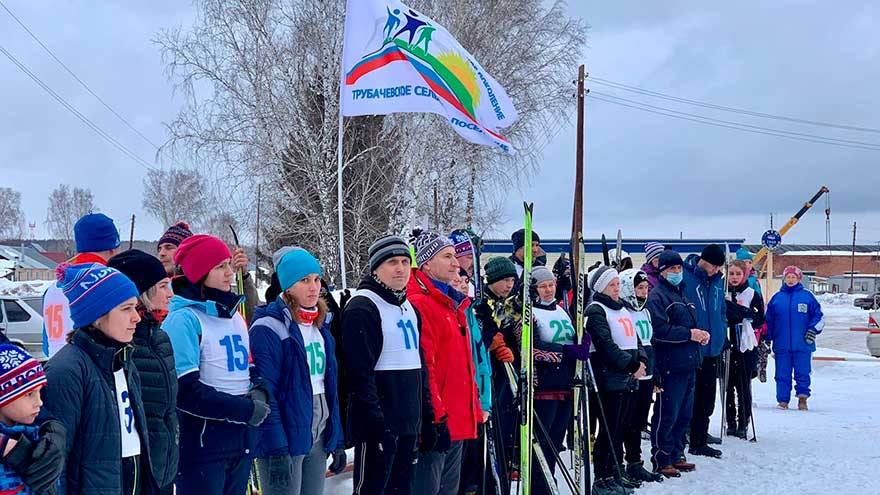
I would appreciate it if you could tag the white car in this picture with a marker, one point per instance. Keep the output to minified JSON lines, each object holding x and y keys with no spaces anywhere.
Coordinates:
{"x":21,"y":320}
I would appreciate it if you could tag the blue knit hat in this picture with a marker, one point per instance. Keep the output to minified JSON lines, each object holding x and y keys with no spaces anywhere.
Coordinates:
{"x":95,"y":232}
{"x":744,"y":254}
{"x":295,"y":265}
{"x":93,"y":291}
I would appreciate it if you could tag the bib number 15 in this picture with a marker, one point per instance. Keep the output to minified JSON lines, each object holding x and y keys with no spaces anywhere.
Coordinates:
{"x":236,"y":353}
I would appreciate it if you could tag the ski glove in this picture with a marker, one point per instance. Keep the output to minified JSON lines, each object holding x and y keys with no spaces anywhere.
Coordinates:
{"x":499,"y":349}
{"x":261,"y":410}
{"x":581,"y":352}
{"x":810,"y":337}
{"x":339,"y":461}
{"x":47,"y":458}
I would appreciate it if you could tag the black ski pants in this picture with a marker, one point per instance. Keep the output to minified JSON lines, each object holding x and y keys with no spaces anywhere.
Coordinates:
{"x":739,"y":389}
{"x":704,"y":401}
{"x":609,"y":442}
{"x":637,"y":420}
{"x":387,"y":467}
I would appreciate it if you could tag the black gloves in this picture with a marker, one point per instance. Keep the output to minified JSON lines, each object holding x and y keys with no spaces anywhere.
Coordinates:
{"x":435,"y":437}
{"x":40,"y":463}
{"x":260,"y":399}
{"x":339,"y":461}
{"x":810,"y":337}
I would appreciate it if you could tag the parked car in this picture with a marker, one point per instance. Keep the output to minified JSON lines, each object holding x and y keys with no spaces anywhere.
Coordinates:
{"x":21,"y":320}
{"x":869,"y":303}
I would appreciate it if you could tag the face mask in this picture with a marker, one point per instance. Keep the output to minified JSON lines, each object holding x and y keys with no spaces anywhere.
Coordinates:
{"x":674,"y":278}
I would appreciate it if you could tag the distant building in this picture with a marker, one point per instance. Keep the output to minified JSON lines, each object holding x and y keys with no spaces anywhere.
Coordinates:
{"x":825,"y":261}
{"x":18,"y":263}
{"x":862,"y":283}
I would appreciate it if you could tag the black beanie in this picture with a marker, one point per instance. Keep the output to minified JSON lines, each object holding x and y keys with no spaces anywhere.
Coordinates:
{"x":145,"y":270}
{"x":519,"y":239}
{"x":668,"y":259}
{"x":713,"y":254}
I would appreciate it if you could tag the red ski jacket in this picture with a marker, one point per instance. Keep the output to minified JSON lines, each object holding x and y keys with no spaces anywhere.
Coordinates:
{"x":446,"y":346}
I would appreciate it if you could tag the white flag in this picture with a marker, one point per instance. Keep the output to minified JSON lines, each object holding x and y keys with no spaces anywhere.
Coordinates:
{"x":396,"y":59}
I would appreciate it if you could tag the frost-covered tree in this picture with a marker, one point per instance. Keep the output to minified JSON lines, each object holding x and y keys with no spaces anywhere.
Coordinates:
{"x":11,"y":216}
{"x":66,"y":206}
{"x":261,"y":78}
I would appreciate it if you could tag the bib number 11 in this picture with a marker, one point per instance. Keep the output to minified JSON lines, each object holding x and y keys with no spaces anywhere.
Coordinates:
{"x":409,"y":334}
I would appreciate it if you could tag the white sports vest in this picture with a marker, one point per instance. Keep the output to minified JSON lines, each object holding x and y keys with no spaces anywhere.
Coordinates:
{"x":400,"y":334}
{"x":131,"y":442}
{"x":642,"y":320}
{"x":747,"y":338}
{"x":316,"y":353}
{"x":554,"y":327}
{"x":56,"y":319}
{"x":623,"y":330}
{"x":225,"y":353}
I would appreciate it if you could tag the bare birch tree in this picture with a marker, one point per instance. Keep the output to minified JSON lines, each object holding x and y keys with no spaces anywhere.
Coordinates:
{"x":11,"y":216}
{"x":66,"y":206}
{"x":174,"y":195}
{"x":261,"y":79}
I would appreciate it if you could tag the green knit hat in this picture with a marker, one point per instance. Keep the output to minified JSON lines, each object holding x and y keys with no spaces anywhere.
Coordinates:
{"x":499,"y":268}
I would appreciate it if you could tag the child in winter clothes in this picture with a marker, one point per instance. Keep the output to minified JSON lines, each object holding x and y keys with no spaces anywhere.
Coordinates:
{"x":634,"y":294}
{"x":745,"y":316}
{"x":555,"y":354}
{"x":20,"y":471}
{"x":652,"y":255}
{"x":794,"y":319}
{"x":95,"y":390}
{"x":295,"y":356}
{"x":217,"y":403}
{"x":154,"y":360}
{"x":618,"y":363}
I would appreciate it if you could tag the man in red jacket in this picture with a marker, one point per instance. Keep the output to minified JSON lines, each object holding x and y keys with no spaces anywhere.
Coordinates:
{"x":446,"y":345}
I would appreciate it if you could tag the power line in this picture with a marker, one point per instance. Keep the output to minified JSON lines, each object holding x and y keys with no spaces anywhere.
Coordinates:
{"x":107,"y":137}
{"x":760,"y":128}
{"x":80,"y":81}
{"x":656,"y":94}
{"x":704,"y":120}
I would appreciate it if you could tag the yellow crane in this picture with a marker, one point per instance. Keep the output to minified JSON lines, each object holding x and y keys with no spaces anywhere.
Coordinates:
{"x":791,"y":223}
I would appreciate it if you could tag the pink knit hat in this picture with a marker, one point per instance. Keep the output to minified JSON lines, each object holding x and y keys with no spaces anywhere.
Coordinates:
{"x":199,"y":254}
{"x":794,"y":271}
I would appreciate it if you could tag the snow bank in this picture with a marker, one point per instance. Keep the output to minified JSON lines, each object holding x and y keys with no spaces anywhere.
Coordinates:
{"x":839,"y":299}
{"x":24,"y":289}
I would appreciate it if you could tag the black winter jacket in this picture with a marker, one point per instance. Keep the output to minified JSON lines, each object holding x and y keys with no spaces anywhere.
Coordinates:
{"x":612,"y":365}
{"x":673,"y":317}
{"x":379,"y":401}
{"x":554,"y":371}
{"x":154,"y":359}
{"x":82,"y":395}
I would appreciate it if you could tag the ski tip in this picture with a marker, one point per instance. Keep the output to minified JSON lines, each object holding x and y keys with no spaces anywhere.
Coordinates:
{"x":529,"y":207}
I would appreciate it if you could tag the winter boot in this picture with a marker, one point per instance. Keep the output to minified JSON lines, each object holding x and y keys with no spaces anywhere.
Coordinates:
{"x":637,"y":471}
{"x":705,"y":451}
{"x":741,"y":432}
{"x":731,"y":429}
{"x":782,"y":405}
{"x":669,"y":472}
{"x":607,"y":486}
{"x":802,"y":403}
{"x":712,"y":440}
{"x":684,"y":466}
{"x":626,"y":480}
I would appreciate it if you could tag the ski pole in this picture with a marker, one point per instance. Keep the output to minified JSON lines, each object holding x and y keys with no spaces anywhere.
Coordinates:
{"x":748,"y":382}
{"x":725,"y":357}
{"x":576,"y":490}
{"x":239,"y":278}
{"x":604,"y":420}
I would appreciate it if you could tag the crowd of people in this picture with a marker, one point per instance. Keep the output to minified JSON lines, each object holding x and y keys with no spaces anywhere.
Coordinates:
{"x":163,"y":379}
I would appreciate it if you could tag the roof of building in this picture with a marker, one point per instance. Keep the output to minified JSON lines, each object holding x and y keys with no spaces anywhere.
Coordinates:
{"x":632,"y":246}
{"x":820,"y":249}
{"x":32,"y":258}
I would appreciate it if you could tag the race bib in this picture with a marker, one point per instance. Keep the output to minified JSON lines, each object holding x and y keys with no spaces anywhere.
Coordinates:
{"x":802,"y":308}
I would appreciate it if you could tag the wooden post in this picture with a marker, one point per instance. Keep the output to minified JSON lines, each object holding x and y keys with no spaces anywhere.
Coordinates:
{"x":770,"y":275}
{"x":257,"y":240}
{"x":577,"y":214}
{"x":131,"y":234}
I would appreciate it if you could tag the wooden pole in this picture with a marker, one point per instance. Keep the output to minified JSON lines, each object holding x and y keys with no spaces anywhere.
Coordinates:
{"x":852,"y":270}
{"x":257,"y":239}
{"x":769,"y":275}
{"x":131,"y":234}
{"x":577,"y":214}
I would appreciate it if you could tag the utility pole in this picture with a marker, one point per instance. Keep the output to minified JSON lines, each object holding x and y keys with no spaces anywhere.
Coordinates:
{"x":257,"y":240}
{"x":852,"y":270}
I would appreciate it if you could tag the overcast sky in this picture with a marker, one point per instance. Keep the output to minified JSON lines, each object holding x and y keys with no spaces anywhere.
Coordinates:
{"x":647,"y":174}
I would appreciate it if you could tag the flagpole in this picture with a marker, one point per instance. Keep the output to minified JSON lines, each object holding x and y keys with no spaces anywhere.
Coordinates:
{"x":339,"y":134}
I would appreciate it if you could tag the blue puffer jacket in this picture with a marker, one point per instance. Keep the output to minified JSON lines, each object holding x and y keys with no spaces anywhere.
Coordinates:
{"x":791,"y":312}
{"x":707,"y":295}
{"x":281,"y":363}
